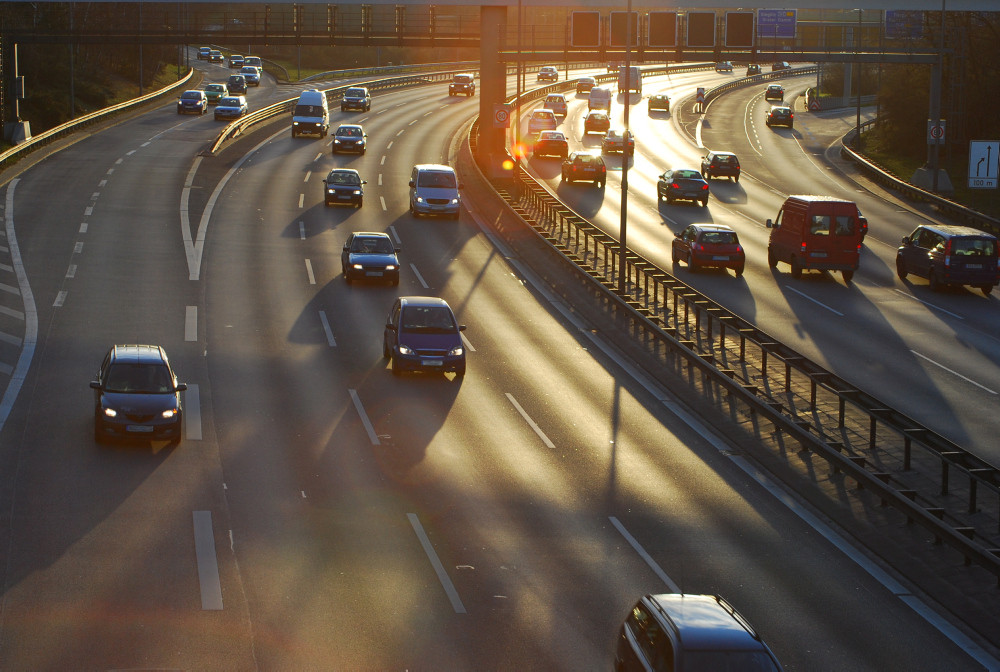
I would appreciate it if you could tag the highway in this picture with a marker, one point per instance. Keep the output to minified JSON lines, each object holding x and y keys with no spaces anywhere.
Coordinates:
{"x":323,"y":514}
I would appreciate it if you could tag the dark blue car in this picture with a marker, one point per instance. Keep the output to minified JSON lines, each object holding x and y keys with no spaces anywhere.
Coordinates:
{"x":422,"y":334}
{"x":369,"y":256}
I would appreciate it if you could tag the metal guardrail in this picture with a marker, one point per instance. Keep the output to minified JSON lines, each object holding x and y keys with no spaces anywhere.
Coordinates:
{"x":76,"y":124}
{"x":887,"y":179}
{"x":927,"y":477}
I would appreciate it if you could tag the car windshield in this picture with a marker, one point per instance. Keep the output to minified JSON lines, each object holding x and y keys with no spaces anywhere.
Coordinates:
{"x":462,"y":79}
{"x":138,"y":378}
{"x":355,"y":93}
{"x":341,"y":177}
{"x":349,"y":132}
{"x":249,"y":69}
{"x":215,"y":87}
{"x":372,"y":245}
{"x":435,"y":319}
{"x":687,"y":174}
{"x":434,"y":178}
{"x":309,"y":110}
{"x":191,"y":95}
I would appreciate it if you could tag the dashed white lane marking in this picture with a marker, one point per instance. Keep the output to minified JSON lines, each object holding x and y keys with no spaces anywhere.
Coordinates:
{"x":78,"y":248}
{"x":60,"y":299}
{"x":309,"y":272}
{"x":674,"y":588}
{"x":191,"y":323}
{"x":10,"y":289}
{"x":395,"y":235}
{"x":192,"y":413}
{"x":818,"y":303}
{"x":372,"y":436}
{"x":952,"y":371}
{"x":531,"y":423}
{"x":381,"y":199}
{"x":449,"y":587}
{"x":308,"y":175}
{"x":320,"y":155}
{"x":83,"y":227}
{"x":380,"y":179}
{"x":327,"y":330}
{"x":302,"y":199}
{"x":389,"y":146}
{"x":929,"y":305}
{"x":208,"y":564}
{"x":419,"y":277}
{"x":88,"y":211}
{"x":71,"y":271}
{"x":382,"y":162}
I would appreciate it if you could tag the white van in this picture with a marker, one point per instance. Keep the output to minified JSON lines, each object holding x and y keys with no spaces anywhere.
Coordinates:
{"x":600,"y":98}
{"x":311,"y":115}
{"x":629,"y":79}
{"x":434,"y":191}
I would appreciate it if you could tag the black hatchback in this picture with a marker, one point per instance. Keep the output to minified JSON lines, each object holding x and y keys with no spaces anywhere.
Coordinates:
{"x":720,"y":164}
{"x":136,"y":395}
{"x":950,"y":255}
{"x":237,"y":84}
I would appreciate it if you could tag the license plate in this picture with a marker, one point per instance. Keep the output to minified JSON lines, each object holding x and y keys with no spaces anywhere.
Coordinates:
{"x":431,"y":362}
{"x":344,"y":197}
{"x":820,"y":255}
{"x":374,"y":274}
{"x":138,"y":428}
{"x":718,"y":258}
{"x":973,"y":265}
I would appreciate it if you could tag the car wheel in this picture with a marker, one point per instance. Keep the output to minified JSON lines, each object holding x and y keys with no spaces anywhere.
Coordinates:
{"x":395,"y":281}
{"x":934,"y":283}
{"x":396,"y":370}
{"x":293,"y":132}
{"x":670,"y":201}
{"x":386,"y":352}
{"x":460,"y":371}
{"x":736,"y":178}
{"x":986,"y":289}
{"x":361,"y":202}
{"x":796,"y":269}
{"x":692,"y":267}
{"x":704,"y":202}
{"x":99,"y":436}
{"x":901,"y":268}
{"x":347,"y":277}
{"x":772,"y":258}
{"x":848,"y":276}
{"x":739,"y":271}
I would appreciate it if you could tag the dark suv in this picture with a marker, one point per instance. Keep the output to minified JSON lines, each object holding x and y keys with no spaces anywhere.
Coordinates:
{"x":462,"y":84}
{"x":676,"y":632}
{"x":780,"y":115}
{"x":950,"y":255}
{"x":720,"y":164}
{"x":136,"y":395}
{"x":356,"y":98}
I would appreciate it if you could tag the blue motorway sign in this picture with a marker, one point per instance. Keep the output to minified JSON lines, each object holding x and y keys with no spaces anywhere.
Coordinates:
{"x":904,"y":24}
{"x":776,"y":23}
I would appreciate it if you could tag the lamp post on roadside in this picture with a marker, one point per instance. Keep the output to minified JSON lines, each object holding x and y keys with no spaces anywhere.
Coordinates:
{"x":857,"y":49}
{"x":623,"y":276}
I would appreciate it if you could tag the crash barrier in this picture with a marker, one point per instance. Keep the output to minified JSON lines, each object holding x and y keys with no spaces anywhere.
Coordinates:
{"x":929,"y":479}
{"x":717,"y":91}
{"x":75,"y":125}
{"x":878,"y":174}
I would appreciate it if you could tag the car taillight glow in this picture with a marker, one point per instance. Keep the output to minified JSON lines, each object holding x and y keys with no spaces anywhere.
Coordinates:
{"x":704,"y":187}
{"x":947,"y":253}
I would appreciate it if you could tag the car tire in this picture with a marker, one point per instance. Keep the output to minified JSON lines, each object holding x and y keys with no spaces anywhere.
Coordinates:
{"x":739,"y":271}
{"x":796,"y":269}
{"x":99,"y":436}
{"x":347,"y":278}
{"x":360,"y":202}
{"x":848,"y":276}
{"x":396,"y":370}
{"x":386,"y":352}
{"x":986,"y":289}
{"x":395,"y":281}
{"x":736,"y":178}
{"x":704,"y":202}
{"x":901,"y":268}
{"x":772,"y":258}
{"x":933,"y":281}
{"x":460,"y":371}
{"x":692,"y":267}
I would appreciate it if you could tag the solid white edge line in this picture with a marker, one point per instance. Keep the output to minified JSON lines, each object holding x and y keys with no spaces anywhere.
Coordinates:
{"x":952,"y":371}
{"x":531,"y":423}
{"x":30,"y":312}
{"x":372,"y":436}
{"x":928,"y":614}
{"x":449,"y":587}
{"x":208,"y":563}
{"x":674,"y":588}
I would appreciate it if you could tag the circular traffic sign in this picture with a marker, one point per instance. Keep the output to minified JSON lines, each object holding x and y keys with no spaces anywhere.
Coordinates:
{"x":501,"y":116}
{"x":937,"y":132}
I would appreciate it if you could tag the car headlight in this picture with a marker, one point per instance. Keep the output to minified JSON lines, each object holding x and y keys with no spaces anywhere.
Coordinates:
{"x":110,"y":412}
{"x":331,"y":191}
{"x":336,"y":141}
{"x":357,"y":192}
{"x":420,"y":199}
{"x":455,"y":352}
{"x":357,"y":267}
{"x":169,"y":413}
{"x":403,"y":350}
{"x":390,"y":267}
{"x":295,"y":123}
{"x":454,"y":201}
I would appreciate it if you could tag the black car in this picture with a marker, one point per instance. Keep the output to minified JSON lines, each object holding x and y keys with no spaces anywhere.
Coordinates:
{"x":349,"y":138}
{"x":422,"y":334}
{"x":370,"y":256}
{"x":950,"y":255}
{"x":780,"y":115}
{"x":237,"y":84}
{"x":774,"y":92}
{"x":778,"y":66}
{"x":464,"y":84}
{"x":585,"y":84}
{"x":596,"y":121}
{"x":136,"y":395}
{"x":551,"y":143}
{"x":660,"y":102}
{"x":344,"y":185}
{"x":356,"y":98}
{"x":753,"y":69}
{"x":683,"y":184}
{"x":582,"y":166}
{"x":720,"y":164}
{"x":192,"y":101}
{"x":235,"y":61}
{"x":677,"y":631}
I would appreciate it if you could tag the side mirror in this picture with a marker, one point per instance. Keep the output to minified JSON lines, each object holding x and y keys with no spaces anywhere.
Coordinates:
{"x":412,"y":185}
{"x":769,"y":224}
{"x":678,"y":234}
{"x":461,"y":327}
{"x":181,"y":387}
{"x":398,"y":248}
{"x":364,"y":181}
{"x":390,"y":326}
{"x":95,"y":384}
{"x":346,"y":246}
{"x":905,"y":241}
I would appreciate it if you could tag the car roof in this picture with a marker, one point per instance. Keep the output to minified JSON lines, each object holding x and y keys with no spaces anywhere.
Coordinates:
{"x":706,"y":622}
{"x":957,"y":230}
{"x":138,"y":354}
{"x":774,"y":86}
{"x":781,"y":108}
{"x":440,"y":167}
{"x":713,"y":227}
{"x":369,"y":234}
{"x":593,"y":155}
{"x":552,"y":134}
{"x":343,"y":170}
{"x":423,"y":301}
{"x":597,"y":113}
{"x":358,"y":126}
{"x":721,"y":154}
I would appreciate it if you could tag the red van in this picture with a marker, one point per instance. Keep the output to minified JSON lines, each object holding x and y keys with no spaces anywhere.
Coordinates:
{"x":816,"y":232}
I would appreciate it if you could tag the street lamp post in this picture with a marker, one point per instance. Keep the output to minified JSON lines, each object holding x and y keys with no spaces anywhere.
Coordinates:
{"x":623,"y":276}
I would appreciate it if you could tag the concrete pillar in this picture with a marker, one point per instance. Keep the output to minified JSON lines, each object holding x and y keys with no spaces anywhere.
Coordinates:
{"x":493,"y":77}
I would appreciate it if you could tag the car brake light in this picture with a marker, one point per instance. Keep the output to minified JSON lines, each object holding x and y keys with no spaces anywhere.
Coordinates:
{"x":675,"y":186}
{"x":947,"y":253}
{"x":802,"y":247}
{"x":704,"y":187}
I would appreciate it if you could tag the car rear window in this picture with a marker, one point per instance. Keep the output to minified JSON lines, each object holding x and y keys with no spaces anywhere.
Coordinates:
{"x":719,"y":237}
{"x":688,"y":174}
{"x":977,"y":247}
